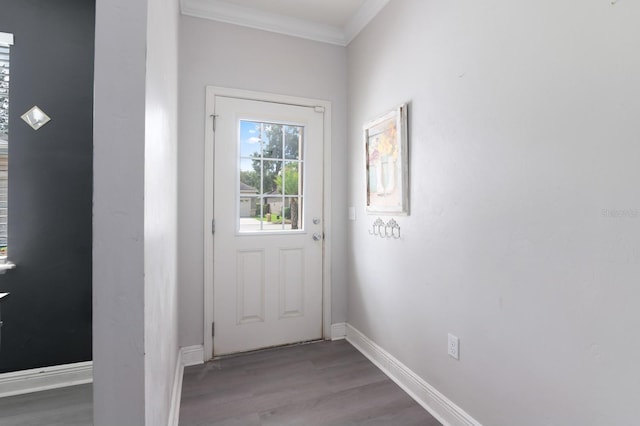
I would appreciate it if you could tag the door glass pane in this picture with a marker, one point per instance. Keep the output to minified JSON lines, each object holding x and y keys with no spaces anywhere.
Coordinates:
{"x":250,"y":139}
{"x":272,"y":137}
{"x":271,"y":171}
{"x":293,"y":142}
{"x":294,"y":214}
{"x":292,"y":177}
{"x":270,"y":195}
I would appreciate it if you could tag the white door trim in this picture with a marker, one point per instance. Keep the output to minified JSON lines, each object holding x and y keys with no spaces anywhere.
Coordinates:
{"x":211,"y":93}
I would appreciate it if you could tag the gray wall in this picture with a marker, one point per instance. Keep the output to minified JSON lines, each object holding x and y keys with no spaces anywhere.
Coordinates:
{"x":118,"y":213}
{"x":47,"y":317}
{"x":524,"y":233}
{"x":135,"y":288}
{"x":225,"y":55}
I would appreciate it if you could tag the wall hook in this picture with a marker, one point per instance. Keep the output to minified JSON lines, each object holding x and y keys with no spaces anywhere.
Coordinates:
{"x":381,"y":229}
{"x":375,"y":228}
{"x":391,"y":229}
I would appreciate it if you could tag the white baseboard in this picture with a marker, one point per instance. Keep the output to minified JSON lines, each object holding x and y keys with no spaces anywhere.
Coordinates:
{"x":189,"y":355}
{"x":442,"y":408}
{"x":39,"y":379}
{"x":176,"y":392}
{"x":338,"y":331}
{"x":192,"y":355}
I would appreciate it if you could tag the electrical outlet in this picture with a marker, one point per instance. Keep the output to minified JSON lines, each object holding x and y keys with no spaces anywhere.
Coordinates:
{"x":454,"y":346}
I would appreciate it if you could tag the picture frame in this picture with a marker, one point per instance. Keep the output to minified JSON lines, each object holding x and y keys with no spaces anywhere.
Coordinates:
{"x":387,"y":163}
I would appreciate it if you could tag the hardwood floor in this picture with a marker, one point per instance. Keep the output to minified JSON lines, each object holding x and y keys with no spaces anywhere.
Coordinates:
{"x":72,"y":406}
{"x":326,"y":383}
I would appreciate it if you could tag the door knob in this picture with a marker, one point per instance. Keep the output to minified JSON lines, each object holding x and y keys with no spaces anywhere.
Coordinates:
{"x":316,"y":220}
{"x":317,"y":236}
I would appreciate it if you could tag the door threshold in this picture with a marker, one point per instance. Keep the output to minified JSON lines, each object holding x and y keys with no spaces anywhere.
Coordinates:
{"x":269,"y":348}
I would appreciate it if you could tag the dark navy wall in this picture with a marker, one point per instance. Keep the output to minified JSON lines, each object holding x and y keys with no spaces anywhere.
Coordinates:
{"x":47,"y":317}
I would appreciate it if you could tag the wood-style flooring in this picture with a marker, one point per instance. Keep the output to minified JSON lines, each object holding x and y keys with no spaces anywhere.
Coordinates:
{"x":325,"y":383}
{"x":72,"y":406}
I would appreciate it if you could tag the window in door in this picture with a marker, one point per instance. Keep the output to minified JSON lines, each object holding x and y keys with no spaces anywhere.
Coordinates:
{"x":270,"y":196}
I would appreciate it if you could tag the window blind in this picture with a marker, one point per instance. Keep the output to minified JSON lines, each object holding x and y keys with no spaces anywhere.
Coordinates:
{"x":4,"y":140}
{"x":4,"y":92}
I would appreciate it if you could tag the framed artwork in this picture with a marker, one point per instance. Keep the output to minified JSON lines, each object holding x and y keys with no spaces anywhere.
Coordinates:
{"x":387,"y":157}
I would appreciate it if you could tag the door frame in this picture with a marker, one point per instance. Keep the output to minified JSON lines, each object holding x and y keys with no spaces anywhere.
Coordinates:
{"x":211,"y":93}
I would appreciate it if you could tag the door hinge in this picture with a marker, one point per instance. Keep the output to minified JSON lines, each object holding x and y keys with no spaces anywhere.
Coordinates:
{"x":318,"y":109}
{"x":213,"y":329}
{"x":213,"y":118}
{"x":213,"y":226}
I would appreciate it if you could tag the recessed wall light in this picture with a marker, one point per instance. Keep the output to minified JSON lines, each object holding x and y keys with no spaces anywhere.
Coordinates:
{"x":35,"y":118}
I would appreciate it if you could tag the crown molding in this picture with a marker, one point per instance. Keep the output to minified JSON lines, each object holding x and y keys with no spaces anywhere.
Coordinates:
{"x":362,"y":17}
{"x":222,"y":11}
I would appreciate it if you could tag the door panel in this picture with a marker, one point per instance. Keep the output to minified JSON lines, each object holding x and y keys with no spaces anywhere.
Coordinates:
{"x":267,"y":267}
{"x":292,"y":282}
{"x":250,"y":286}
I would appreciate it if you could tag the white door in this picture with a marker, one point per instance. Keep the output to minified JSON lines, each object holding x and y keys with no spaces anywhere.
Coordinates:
{"x":267,"y":265}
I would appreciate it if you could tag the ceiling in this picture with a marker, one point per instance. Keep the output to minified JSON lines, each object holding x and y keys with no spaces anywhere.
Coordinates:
{"x":328,"y":21}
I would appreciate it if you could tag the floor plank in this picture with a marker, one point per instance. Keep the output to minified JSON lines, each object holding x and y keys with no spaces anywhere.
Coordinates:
{"x":319,"y":384}
{"x":71,"y":406}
